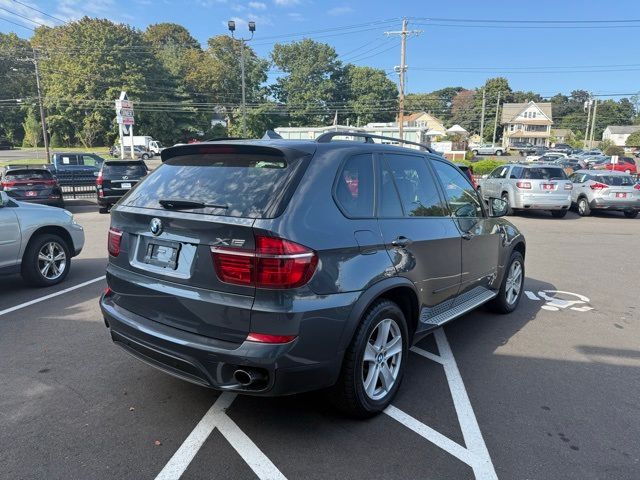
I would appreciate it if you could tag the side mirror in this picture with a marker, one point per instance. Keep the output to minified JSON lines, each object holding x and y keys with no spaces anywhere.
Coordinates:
{"x":498,"y":207}
{"x":4,"y":198}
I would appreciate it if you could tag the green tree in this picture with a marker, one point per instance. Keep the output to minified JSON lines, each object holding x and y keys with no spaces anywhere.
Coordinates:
{"x":32,"y":129}
{"x":633,"y":140}
{"x":311,"y":81}
{"x":438,"y":102}
{"x":614,"y":150}
{"x":369,"y":95}
{"x":464,"y":111}
{"x":17,"y":81}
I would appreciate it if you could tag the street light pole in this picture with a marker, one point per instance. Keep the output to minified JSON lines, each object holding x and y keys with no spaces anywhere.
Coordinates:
{"x":252,"y":28}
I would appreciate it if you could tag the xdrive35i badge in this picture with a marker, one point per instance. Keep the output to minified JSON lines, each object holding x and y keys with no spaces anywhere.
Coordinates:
{"x":155,"y":226}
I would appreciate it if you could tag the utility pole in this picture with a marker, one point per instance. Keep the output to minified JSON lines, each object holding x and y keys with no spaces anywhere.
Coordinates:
{"x":401,"y":70}
{"x":495,"y":124}
{"x":586,"y":132}
{"x":252,"y":28}
{"x":43,"y":120}
{"x":484,"y":102}
{"x":593,"y":121}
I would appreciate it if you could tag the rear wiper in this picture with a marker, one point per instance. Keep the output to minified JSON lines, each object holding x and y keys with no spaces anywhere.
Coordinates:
{"x":177,"y":204}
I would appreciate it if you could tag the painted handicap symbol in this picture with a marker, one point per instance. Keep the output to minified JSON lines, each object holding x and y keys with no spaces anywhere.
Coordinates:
{"x":555,"y":303}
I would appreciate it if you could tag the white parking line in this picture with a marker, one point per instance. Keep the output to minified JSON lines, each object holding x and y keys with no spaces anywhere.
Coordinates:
{"x":217,"y":418}
{"x":52,"y":295}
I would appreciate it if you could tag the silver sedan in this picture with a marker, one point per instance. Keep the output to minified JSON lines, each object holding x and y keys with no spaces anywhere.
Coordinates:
{"x":37,"y":241}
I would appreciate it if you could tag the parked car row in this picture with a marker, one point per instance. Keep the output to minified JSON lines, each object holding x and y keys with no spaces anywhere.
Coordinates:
{"x":547,"y":187}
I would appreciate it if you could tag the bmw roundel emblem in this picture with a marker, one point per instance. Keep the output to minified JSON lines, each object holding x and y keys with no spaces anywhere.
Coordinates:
{"x":155,"y":227}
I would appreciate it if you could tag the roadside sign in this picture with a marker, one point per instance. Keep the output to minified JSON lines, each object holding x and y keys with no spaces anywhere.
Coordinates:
{"x":614,"y":159}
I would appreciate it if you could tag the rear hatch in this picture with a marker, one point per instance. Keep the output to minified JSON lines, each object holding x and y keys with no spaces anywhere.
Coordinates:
{"x":546,"y":184}
{"x":118,"y":177}
{"x":615,"y":188}
{"x":201,"y":197}
{"x":29,"y":184}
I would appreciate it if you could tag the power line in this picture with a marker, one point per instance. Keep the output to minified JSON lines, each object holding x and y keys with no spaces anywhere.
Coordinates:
{"x":39,"y":11}
{"x":16,"y":23}
{"x":22,"y":16}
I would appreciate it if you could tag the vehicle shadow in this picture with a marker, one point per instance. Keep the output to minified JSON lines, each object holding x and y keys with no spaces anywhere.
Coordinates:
{"x":571,"y":215}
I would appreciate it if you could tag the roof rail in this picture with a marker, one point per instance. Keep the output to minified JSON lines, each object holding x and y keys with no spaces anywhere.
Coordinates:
{"x":326,"y":138}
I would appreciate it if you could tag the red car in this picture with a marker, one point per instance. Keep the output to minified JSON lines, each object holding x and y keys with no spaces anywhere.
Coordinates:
{"x":468,"y":171}
{"x":625,"y":164}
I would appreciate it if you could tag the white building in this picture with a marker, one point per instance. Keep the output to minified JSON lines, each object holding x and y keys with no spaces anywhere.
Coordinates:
{"x":618,"y":134}
{"x":526,"y":122}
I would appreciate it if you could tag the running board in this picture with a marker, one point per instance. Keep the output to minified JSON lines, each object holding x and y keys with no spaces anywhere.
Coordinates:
{"x":461,"y":306}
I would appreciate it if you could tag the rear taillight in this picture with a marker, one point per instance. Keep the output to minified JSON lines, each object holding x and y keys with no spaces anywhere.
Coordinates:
{"x":7,"y":184}
{"x":524,"y":185}
{"x":598,"y":186}
{"x":275,"y":263}
{"x":99,"y":179}
{"x":637,"y":186}
{"x":113,"y":242}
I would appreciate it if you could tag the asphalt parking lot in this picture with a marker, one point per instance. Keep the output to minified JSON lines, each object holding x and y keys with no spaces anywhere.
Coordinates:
{"x":549,"y":391}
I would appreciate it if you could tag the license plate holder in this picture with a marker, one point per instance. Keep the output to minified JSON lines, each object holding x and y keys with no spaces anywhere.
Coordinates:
{"x":125,"y":185}
{"x":621,"y":195}
{"x":31,"y":193}
{"x":162,"y":254}
{"x":547,"y":186}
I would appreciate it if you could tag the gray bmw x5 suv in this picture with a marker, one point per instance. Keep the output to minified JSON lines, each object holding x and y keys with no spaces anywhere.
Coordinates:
{"x":272,"y":267}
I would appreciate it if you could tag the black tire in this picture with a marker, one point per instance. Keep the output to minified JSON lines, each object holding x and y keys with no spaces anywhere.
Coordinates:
{"x":630,"y":213}
{"x":475,"y":152}
{"x":501,"y":304}
{"x":559,"y":213}
{"x":30,"y":271}
{"x":505,"y":197}
{"x":499,"y":153}
{"x":103,"y":209}
{"x":145,"y":156}
{"x":348,"y":394}
{"x":584,"y":210}
{"x":627,"y":171}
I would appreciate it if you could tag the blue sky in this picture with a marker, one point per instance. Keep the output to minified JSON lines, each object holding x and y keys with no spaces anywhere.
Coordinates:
{"x":559,"y":58}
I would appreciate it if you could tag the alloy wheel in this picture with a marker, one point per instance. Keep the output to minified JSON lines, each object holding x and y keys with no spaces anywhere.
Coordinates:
{"x":382,"y":358}
{"x":514,"y":283}
{"x":52,"y":260}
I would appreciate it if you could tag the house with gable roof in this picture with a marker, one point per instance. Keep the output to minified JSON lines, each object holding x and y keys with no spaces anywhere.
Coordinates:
{"x":526,"y":122}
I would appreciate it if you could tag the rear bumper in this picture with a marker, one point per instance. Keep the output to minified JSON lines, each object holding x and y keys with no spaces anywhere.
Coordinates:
{"x":109,"y":199}
{"x":310,"y":362}
{"x":541,"y":202}
{"x":607,"y":204}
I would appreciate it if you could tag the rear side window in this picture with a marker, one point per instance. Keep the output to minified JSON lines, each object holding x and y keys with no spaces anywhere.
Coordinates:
{"x":68,"y":160}
{"x":28,"y":175}
{"x":133,"y":169}
{"x":417,"y":189}
{"x":229,"y":184}
{"x":354,"y":187}
{"x":544,"y":173}
{"x":615,"y":180}
{"x":516,"y":172}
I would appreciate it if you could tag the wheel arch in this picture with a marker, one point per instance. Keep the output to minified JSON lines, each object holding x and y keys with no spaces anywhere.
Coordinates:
{"x":52,"y":230}
{"x":398,"y":290}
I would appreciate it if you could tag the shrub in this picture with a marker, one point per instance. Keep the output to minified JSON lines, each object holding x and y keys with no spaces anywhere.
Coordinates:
{"x":614,"y":150}
{"x":486,"y":166}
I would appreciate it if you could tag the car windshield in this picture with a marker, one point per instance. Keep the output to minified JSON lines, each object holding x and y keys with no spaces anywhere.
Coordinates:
{"x":248,"y":185}
{"x":615,"y":180}
{"x":544,"y":173}
{"x":29,"y":175}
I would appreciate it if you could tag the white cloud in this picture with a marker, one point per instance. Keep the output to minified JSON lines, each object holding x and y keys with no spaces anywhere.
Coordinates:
{"x":75,"y":9}
{"x":287,"y":3}
{"x":257,"y":5}
{"x":241,"y":23}
{"x":340,"y":10}
{"x":25,"y":12}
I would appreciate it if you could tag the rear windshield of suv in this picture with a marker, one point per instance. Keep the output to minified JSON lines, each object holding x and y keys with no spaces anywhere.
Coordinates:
{"x":132,"y":169}
{"x":544,"y":173}
{"x":243,"y":185}
{"x":615,"y":180}
{"x":28,"y":175}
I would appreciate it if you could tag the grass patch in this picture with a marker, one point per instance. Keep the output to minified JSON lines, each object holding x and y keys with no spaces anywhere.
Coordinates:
{"x":23,"y":161}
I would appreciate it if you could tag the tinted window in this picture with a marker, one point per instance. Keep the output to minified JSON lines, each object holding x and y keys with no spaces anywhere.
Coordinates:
{"x":417,"y":189}
{"x":500,"y":172}
{"x":132,"y":169}
{"x":615,"y":180}
{"x":462,"y":198}
{"x":516,"y":172}
{"x":28,"y":175}
{"x":249,"y":185}
{"x":354,"y":188}
{"x":388,"y":199}
{"x":544,"y":173}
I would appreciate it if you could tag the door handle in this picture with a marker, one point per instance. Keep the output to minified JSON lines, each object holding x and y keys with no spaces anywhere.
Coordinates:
{"x":467,"y":235}
{"x":401,"y":241}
